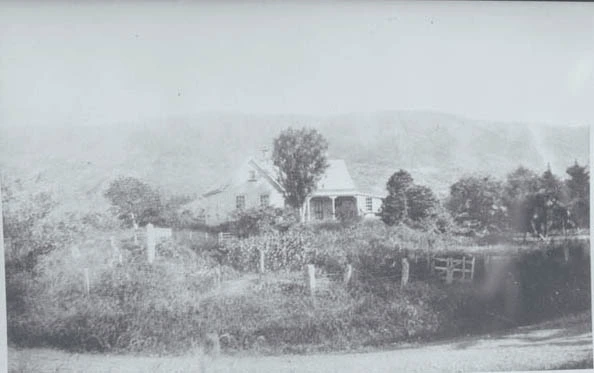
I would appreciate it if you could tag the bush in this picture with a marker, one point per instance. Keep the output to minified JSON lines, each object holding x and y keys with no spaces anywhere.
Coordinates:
{"x":173,"y":304}
{"x":132,"y":307}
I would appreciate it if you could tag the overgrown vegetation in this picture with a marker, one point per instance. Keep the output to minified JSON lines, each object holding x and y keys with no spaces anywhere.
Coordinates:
{"x":172,"y":305}
{"x":198,"y":286}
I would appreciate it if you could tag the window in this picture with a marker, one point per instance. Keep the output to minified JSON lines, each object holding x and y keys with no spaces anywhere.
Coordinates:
{"x":264,"y":200}
{"x":319,"y":209}
{"x":240,"y":202}
{"x":369,"y":204}
{"x":252,"y":175}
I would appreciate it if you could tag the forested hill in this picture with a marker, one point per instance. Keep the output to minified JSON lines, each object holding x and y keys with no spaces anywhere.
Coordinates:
{"x":189,"y":155}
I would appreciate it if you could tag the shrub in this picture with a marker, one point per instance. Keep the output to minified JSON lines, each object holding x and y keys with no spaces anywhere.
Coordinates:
{"x":134,"y":307}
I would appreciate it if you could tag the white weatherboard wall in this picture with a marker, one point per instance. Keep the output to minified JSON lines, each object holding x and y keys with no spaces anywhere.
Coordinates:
{"x":376,"y":204}
{"x":221,"y":205}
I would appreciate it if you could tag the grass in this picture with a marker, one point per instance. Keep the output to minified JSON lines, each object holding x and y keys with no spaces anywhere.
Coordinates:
{"x":173,"y":305}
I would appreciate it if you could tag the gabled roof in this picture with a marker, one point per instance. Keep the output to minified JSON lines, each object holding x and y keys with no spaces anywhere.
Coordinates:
{"x":336,"y":177}
{"x":269,"y":171}
{"x":265,"y":169}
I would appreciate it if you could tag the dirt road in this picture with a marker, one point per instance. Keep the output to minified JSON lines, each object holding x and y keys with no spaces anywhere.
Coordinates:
{"x":547,"y":346}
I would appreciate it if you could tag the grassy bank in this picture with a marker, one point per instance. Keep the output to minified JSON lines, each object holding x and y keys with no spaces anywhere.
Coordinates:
{"x":196,"y":293}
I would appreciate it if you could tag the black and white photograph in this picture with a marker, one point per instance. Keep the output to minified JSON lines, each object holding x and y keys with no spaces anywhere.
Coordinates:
{"x":291,"y":187}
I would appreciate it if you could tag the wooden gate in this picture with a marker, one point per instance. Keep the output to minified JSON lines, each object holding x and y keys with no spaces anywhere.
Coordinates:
{"x":451,"y":269}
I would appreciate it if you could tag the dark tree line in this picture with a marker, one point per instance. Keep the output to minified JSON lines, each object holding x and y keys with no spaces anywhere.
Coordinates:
{"x":524,"y":202}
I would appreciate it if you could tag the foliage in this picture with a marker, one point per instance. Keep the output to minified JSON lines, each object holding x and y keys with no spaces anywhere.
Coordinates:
{"x":406,"y":201}
{"x":172,"y":305}
{"x":369,"y":245}
{"x":549,"y":285}
{"x":260,"y":220}
{"x":520,"y":186}
{"x":551,"y":186}
{"x":579,"y":194}
{"x":477,"y":202}
{"x":128,"y":305}
{"x":421,"y":202}
{"x":134,"y":202}
{"x":170,"y":214}
{"x":23,"y":211}
{"x":290,"y":250}
{"x":300,"y":156}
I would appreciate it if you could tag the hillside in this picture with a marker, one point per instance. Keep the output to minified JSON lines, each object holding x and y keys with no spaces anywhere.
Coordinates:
{"x":189,"y":155}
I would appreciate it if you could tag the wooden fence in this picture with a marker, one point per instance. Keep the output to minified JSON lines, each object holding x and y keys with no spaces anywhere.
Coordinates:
{"x":224,"y":236}
{"x":451,"y":269}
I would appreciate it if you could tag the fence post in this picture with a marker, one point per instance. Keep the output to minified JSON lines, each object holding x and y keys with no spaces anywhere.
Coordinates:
{"x":449,"y":271}
{"x":348,"y":273}
{"x":566,"y":252}
{"x":115,"y":250}
{"x":150,"y":242}
{"x":463,"y":268}
{"x":261,"y":264}
{"x":310,"y":278}
{"x":87,"y":281}
{"x":217,"y":273}
{"x":405,"y":273}
{"x":472,"y":268}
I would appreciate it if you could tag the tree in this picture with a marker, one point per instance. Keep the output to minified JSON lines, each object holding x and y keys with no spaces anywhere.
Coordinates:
{"x":477,"y":202}
{"x":300,"y":156}
{"x":420,"y":201}
{"x":400,"y":181}
{"x":134,"y":202}
{"x":579,"y":194}
{"x":579,"y":183}
{"x":549,"y":205}
{"x":170,"y":213}
{"x":520,"y":186}
{"x":24,"y":212}
{"x":406,"y":200}
{"x":550,"y":185}
{"x":395,"y":207}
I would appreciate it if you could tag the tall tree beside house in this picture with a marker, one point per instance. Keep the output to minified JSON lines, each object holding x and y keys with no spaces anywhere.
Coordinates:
{"x":406,"y":200}
{"x":134,"y":202}
{"x":300,"y":156}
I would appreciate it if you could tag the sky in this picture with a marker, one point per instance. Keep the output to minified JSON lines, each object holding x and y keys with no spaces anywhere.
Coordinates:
{"x":111,"y":62}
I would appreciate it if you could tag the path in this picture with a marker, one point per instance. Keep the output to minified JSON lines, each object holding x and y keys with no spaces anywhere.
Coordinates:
{"x":547,"y":346}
